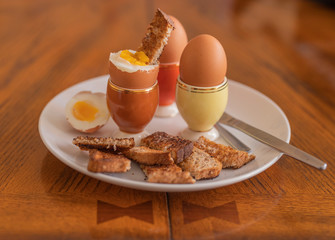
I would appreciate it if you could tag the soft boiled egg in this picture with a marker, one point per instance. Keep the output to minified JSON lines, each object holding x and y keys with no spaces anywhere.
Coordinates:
{"x":87,"y":111}
{"x":128,"y":69}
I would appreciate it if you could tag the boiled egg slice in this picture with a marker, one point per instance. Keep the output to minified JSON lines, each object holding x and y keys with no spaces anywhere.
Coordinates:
{"x":87,"y":111}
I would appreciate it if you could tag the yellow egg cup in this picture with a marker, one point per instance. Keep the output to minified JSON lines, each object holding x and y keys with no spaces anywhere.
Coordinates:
{"x":201,"y":108}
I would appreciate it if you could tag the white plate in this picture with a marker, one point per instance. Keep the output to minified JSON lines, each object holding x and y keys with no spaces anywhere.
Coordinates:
{"x":244,"y":102}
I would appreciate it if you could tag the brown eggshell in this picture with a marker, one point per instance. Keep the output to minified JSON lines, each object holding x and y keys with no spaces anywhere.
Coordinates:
{"x":203,"y":62}
{"x":135,"y":80}
{"x":176,"y":44}
{"x":91,"y":130}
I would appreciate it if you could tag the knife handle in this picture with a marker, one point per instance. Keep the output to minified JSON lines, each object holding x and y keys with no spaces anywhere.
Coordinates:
{"x":276,"y":143}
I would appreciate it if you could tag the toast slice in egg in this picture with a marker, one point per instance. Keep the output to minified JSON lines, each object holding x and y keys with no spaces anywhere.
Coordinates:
{"x":228,"y":156}
{"x":156,"y":36}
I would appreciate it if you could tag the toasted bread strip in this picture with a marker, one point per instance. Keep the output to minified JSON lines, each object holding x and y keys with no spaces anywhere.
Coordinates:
{"x":148,"y":156}
{"x":229,"y":157}
{"x":166,"y":174}
{"x":107,"y":144}
{"x":201,"y":165}
{"x":107,"y":162}
{"x":156,"y":36}
{"x":178,"y":147}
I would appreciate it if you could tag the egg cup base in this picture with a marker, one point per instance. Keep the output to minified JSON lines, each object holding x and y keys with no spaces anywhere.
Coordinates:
{"x":167,"y":111}
{"x":137,"y":136}
{"x":192,"y":135}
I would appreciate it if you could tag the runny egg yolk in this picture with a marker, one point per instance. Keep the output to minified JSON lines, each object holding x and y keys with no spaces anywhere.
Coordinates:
{"x":138,"y":58}
{"x":84,"y":111}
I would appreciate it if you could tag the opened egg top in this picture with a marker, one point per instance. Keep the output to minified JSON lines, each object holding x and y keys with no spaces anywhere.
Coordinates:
{"x":139,"y":69}
{"x":128,"y":69}
{"x":203,"y":62}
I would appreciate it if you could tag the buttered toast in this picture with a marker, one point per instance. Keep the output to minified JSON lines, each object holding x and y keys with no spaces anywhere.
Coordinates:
{"x":107,"y":144}
{"x":201,"y":165}
{"x":228,"y":156}
{"x":178,"y":147}
{"x":148,"y":156}
{"x":162,"y":157}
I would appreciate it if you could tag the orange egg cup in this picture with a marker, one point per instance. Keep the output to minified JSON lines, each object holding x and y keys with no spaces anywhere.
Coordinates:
{"x":132,"y":109}
{"x":167,"y":80}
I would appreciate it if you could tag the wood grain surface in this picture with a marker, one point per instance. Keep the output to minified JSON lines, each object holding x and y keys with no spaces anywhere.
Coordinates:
{"x":284,"y":49}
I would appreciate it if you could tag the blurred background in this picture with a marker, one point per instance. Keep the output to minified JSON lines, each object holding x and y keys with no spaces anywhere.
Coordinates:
{"x":277,"y":36}
{"x":259,"y":29}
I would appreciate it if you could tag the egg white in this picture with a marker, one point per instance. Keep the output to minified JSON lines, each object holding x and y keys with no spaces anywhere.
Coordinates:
{"x":98,"y":100}
{"x":125,"y":66}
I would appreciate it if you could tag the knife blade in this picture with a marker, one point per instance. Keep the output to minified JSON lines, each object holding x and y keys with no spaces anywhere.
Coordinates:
{"x":273,"y":141}
{"x":231,"y":139}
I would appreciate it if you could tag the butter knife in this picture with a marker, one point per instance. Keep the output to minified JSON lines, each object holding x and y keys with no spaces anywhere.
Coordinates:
{"x":231,"y":139}
{"x":273,"y":141}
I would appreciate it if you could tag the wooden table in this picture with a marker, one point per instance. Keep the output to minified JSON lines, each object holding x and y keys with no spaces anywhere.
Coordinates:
{"x":284,"y":49}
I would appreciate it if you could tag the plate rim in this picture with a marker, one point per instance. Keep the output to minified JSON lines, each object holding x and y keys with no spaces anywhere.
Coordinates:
{"x":161,"y":187}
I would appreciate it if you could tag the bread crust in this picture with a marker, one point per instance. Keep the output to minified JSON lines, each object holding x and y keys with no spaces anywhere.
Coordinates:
{"x":107,"y":144}
{"x":201,"y":165}
{"x":104,"y":162}
{"x":148,"y":156}
{"x":178,"y":147}
{"x":228,"y":156}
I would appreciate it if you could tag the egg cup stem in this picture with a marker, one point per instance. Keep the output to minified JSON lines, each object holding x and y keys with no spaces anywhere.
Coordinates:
{"x":189,"y":134}
{"x":166,"y":111}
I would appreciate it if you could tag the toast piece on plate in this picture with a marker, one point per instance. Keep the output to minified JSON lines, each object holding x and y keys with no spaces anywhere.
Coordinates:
{"x":106,"y":162}
{"x":166,"y":174}
{"x":201,"y":165}
{"x":148,"y":156}
{"x":107,"y":144}
{"x":156,"y":36}
{"x":178,"y":147}
{"x":228,"y":156}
